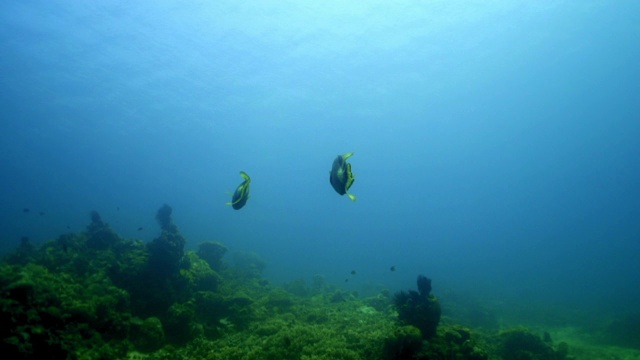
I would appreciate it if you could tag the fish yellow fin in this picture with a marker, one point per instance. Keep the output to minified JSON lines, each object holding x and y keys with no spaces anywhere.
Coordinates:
{"x":352,"y":197}
{"x":347,"y":155}
{"x":245,"y":176}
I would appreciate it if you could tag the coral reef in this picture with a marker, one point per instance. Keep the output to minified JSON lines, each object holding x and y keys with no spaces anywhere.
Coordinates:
{"x":95,"y":295}
{"x":624,"y":331}
{"x":248,"y":265}
{"x":520,"y":343}
{"x":405,"y":342}
{"x":164,"y":219}
{"x":457,"y":342}
{"x":81,"y":293}
{"x":424,"y":286}
{"x":101,"y":236}
{"x":47,"y":315}
{"x":212,"y":252}
{"x":147,"y":335}
{"x":23,"y":254}
{"x":420,"y":309}
{"x":167,"y":250}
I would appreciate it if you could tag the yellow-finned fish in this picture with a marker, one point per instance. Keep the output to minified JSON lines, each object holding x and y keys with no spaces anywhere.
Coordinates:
{"x":340,"y":175}
{"x":241,"y":195}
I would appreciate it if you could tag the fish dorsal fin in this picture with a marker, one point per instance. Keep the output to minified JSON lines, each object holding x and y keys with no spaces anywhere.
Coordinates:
{"x":351,"y":196}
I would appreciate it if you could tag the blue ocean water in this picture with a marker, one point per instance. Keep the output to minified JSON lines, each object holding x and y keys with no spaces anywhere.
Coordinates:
{"x":496,"y":143}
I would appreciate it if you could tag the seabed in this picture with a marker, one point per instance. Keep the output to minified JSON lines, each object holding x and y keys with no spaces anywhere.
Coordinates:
{"x":95,"y":295}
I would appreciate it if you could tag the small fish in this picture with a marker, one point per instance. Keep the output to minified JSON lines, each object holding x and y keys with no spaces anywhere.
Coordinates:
{"x":41,"y":213}
{"x":140,"y":228}
{"x":240,"y":197}
{"x":393,"y":268}
{"x":353,"y":272}
{"x":346,"y":280}
{"x":26,"y":210}
{"x":340,"y":175}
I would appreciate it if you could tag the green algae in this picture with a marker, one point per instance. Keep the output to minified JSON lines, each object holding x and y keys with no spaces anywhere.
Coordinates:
{"x":95,"y":295}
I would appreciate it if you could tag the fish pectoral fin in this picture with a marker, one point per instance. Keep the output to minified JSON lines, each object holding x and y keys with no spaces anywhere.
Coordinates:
{"x":230,"y":194}
{"x":352,"y":197}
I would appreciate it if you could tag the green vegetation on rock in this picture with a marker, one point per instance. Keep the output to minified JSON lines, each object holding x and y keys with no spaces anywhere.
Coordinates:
{"x":95,"y":295}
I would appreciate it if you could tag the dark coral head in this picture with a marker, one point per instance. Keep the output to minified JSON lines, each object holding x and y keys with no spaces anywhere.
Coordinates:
{"x":424,"y":285}
{"x":400,"y":299}
{"x":95,"y":218}
{"x":164,"y":217}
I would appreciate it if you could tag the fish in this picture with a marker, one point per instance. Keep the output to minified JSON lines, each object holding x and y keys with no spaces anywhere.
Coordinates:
{"x":353,"y":272}
{"x":393,"y":268}
{"x":140,"y":228}
{"x":340,"y":175}
{"x":241,"y":195}
{"x":26,"y":210}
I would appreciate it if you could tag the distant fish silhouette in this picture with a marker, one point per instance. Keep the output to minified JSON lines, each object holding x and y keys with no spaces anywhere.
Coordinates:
{"x":41,"y":213}
{"x":393,"y":268}
{"x":353,"y":272}
{"x":26,"y":210}
{"x":140,"y":228}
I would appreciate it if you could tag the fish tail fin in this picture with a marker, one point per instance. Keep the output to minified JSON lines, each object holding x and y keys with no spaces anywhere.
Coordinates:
{"x":347,"y":155}
{"x":352,"y":197}
{"x":228,"y":204}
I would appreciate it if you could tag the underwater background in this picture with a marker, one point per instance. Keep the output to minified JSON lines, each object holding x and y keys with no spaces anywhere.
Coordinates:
{"x":496,"y":143}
